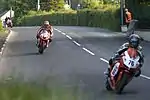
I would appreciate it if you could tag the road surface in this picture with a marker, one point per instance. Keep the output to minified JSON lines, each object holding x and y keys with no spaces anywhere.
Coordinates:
{"x":77,"y":56}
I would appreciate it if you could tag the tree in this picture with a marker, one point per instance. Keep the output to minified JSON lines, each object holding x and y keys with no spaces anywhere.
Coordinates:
{"x":91,"y":3}
{"x":56,"y":4}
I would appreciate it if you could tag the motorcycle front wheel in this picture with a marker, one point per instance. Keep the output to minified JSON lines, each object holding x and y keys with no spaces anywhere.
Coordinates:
{"x":41,"y":49}
{"x":121,"y":84}
{"x":107,"y":84}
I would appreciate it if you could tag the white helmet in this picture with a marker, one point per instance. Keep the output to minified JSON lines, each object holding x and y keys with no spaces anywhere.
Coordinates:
{"x":46,"y":22}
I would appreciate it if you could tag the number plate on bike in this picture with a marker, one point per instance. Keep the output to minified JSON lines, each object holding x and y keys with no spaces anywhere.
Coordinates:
{"x":115,"y":69}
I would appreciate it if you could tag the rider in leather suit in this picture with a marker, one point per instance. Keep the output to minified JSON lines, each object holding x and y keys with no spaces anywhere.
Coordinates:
{"x":134,"y":41}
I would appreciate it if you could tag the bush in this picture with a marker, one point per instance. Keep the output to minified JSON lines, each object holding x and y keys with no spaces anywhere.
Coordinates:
{"x":107,"y":18}
{"x":91,"y":4}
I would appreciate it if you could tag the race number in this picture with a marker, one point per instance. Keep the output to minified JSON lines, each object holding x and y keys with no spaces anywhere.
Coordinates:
{"x":131,"y":63}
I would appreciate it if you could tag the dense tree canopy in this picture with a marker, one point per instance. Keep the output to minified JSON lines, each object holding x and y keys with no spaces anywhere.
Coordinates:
{"x":22,"y":6}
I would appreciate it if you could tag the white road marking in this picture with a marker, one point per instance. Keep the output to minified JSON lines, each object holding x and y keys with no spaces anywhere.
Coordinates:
{"x":140,"y":75}
{"x":4,"y":44}
{"x":63,"y":33}
{"x":104,"y":60}
{"x":76,"y":43}
{"x":68,"y":37}
{"x":145,"y":76}
{"x":55,"y":29}
{"x":59,"y":31}
{"x":88,"y":51}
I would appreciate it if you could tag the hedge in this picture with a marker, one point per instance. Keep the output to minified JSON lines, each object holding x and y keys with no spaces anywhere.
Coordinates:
{"x":109,"y":19}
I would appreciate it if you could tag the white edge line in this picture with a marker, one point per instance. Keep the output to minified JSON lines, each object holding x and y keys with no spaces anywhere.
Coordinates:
{"x":140,"y":75}
{"x":88,"y":51}
{"x":68,"y":37}
{"x":76,"y":43}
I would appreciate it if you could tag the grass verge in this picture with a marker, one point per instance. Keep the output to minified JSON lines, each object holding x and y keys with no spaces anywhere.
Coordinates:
{"x":3,"y":35}
{"x":14,"y":90}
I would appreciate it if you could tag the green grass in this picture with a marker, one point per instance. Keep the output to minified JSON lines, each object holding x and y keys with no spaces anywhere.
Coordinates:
{"x":4,"y":33}
{"x":15,"y":90}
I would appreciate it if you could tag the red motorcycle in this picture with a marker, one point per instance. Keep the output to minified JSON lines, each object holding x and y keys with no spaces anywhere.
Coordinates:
{"x":123,"y":71}
{"x":44,"y":37}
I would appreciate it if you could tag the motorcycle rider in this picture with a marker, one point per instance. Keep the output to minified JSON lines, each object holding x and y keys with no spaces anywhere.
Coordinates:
{"x":8,"y":20}
{"x":46,"y":26}
{"x":134,"y":41}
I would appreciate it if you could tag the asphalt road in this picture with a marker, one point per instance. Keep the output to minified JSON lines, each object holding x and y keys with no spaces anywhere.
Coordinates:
{"x":75,"y":57}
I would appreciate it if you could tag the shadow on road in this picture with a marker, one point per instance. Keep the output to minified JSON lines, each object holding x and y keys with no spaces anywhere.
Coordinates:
{"x":23,"y":54}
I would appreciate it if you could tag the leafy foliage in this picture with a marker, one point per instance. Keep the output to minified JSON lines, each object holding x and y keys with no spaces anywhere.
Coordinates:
{"x":90,"y":3}
{"x":21,"y":7}
{"x":56,"y":4}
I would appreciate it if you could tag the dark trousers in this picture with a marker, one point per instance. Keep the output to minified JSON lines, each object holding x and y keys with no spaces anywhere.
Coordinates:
{"x":127,"y":24}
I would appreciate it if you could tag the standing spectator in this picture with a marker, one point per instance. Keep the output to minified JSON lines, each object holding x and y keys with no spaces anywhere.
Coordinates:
{"x":128,"y":17}
{"x":6,"y":19}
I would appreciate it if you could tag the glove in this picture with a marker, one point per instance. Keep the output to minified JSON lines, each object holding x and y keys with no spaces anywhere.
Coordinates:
{"x":111,"y":61}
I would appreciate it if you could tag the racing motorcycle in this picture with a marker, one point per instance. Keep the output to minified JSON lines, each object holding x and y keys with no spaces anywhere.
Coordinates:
{"x":123,"y":71}
{"x":44,"y":37}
